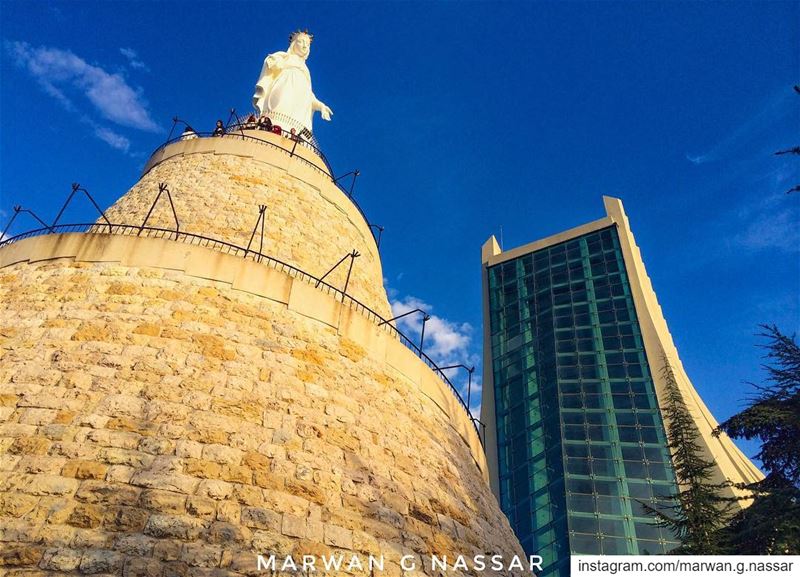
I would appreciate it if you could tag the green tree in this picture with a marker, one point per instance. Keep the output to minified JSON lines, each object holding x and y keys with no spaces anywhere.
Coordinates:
{"x":698,"y":511}
{"x":771,"y":525}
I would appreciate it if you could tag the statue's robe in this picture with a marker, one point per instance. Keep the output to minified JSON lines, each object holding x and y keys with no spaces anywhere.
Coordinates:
{"x":284,"y":89}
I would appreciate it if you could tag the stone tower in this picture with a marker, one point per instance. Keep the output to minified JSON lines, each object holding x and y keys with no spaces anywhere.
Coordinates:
{"x":172,"y":404}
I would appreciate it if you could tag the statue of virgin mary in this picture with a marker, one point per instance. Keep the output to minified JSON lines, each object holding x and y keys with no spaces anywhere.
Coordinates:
{"x":284,"y":86}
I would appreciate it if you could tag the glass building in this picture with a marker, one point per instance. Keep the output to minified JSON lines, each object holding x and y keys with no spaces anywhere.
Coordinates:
{"x":575,"y":438}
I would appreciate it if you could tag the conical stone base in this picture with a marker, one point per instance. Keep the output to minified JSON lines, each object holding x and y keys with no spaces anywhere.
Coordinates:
{"x":170,"y":410}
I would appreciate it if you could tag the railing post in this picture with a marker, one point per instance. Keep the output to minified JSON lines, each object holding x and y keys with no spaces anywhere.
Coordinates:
{"x":76,"y":187}
{"x":261,"y":218}
{"x":425,"y":319}
{"x":162,"y":187}
{"x":353,"y":256}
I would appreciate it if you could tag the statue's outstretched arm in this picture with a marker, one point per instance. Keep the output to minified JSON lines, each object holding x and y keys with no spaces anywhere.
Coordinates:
{"x":324,"y":110}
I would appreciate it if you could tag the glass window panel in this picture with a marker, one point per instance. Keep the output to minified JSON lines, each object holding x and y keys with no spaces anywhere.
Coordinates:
{"x":640,"y":490}
{"x":625,"y":419}
{"x":610,"y":488}
{"x":647,"y":531}
{"x":635,"y":469}
{"x":572,"y":417}
{"x":609,"y":505}
{"x":542,"y":516}
{"x":628,"y":342}
{"x":581,"y":503}
{"x":578,"y":467}
{"x":595,"y":433}
{"x":593,"y":401}
{"x":634,"y":371}
{"x":591,"y":387}
{"x":600,"y":451}
{"x":606,"y":317}
{"x":622,"y":401}
{"x":647,"y":419}
{"x":632,"y":453}
{"x":612,"y":546}
{"x":570,"y":388}
{"x":605,"y":305}
{"x":588,"y":544}
{"x":566,"y":346}
{"x":656,"y":454}
{"x":649,"y":547}
{"x":596,"y":418}
{"x":649,"y":435}
{"x":568,"y":359}
{"x":663,"y":490}
{"x":603,"y":468}
{"x":619,"y":388}
{"x":628,"y":435}
{"x":614,"y":527}
{"x":574,"y":432}
{"x":579,"y":486}
{"x":583,"y":524}
{"x":639,"y":507}
{"x":659,"y":472}
{"x":523,"y":522}
{"x":571,"y":402}
{"x":577,"y":450}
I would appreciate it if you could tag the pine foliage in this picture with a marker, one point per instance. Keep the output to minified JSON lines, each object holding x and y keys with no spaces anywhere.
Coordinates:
{"x":771,"y":525}
{"x":699,"y":511}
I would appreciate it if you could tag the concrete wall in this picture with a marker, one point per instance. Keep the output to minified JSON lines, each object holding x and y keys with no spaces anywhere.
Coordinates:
{"x":731,"y":463}
{"x":168,"y":410}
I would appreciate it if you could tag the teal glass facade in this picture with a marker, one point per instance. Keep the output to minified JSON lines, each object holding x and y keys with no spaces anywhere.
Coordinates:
{"x":580,"y":438}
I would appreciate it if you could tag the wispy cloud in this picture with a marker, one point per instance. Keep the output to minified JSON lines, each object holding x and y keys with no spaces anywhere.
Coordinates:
{"x":446,"y":342}
{"x":743,"y":196}
{"x":774,"y":110}
{"x":772,"y":230}
{"x":64,"y":75}
{"x":112,"y":138}
{"x":133,"y":59}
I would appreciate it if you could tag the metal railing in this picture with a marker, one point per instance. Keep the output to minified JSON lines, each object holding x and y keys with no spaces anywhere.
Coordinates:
{"x":286,"y":123}
{"x":296,"y":141}
{"x":232,"y":249}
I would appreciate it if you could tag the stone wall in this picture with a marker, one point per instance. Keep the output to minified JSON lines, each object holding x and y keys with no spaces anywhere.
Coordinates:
{"x":157,"y":423}
{"x":217,"y":186}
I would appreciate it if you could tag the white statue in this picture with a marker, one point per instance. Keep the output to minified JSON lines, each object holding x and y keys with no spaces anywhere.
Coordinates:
{"x":284,"y":86}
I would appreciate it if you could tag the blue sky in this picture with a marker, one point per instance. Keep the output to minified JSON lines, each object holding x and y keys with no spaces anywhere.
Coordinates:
{"x":464,"y":118}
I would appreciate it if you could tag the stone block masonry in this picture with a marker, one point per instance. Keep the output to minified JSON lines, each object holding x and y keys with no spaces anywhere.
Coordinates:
{"x":169,"y":410}
{"x":156,"y":423}
{"x":310,"y":223}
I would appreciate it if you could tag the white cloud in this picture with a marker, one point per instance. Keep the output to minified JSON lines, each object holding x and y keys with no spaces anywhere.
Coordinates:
{"x":112,"y":138}
{"x":133,"y":59}
{"x":60,"y":71}
{"x":446,"y":343}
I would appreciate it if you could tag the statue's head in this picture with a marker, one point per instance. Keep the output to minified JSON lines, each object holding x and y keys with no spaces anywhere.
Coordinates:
{"x":300,"y":43}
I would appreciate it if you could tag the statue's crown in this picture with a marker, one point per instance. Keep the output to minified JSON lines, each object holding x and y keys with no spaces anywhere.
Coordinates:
{"x":296,"y":33}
